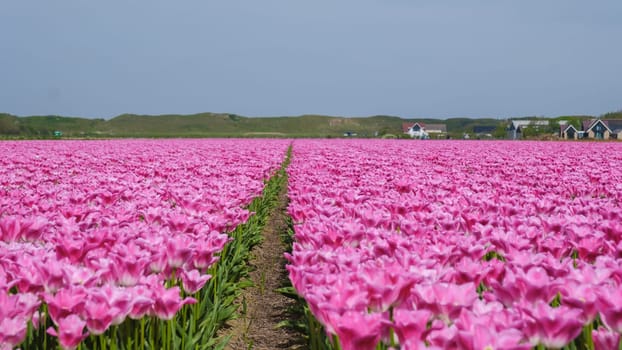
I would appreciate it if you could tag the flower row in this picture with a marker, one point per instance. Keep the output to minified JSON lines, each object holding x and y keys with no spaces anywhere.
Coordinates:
{"x":98,"y":232}
{"x":459,"y":245}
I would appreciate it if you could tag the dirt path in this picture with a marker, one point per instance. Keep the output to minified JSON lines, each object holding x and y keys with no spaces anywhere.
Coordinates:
{"x":262,"y":308}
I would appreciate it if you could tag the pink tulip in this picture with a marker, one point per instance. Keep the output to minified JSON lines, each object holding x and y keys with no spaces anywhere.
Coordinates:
{"x":445,"y":300}
{"x":70,"y":331}
{"x":52,"y":275}
{"x":582,"y":297}
{"x":552,"y":327}
{"x":98,"y":317}
{"x":605,"y":339}
{"x":358,"y":331}
{"x":10,"y":228}
{"x":411,"y":325}
{"x":203,"y":255}
{"x":128,"y":270}
{"x":142,"y":301}
{"x":168,"y":302}
{"x":193,"y":281}
{"x":610,"y":307}
{"x":482,"y":338}
{"x":345,"y":297}
{"x":65,"y":302}
{"x":387,"y":285}
{"x":13,"y":331}
{"x":34,"y":227}
{"x":178,"y":251}
{"x":442,"y":336}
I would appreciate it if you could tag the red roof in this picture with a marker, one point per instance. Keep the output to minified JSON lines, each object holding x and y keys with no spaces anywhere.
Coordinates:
{"x":588,"y":124}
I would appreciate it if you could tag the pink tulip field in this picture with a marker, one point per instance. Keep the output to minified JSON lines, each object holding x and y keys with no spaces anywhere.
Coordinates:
{"x":99,"y":235}
{"x":137,"y":244}
{"x":459,"y":244}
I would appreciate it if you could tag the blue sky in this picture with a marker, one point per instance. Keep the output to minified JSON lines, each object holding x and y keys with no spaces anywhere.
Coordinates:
{"x":411,"y":58}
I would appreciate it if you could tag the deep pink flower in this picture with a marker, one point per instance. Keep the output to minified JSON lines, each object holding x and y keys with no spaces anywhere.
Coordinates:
{"x":178,"y":223}
{"x":345,"y":296}
{"x":33,"y":227}
{"x":580,"y":296}
{"x":178,"y":251}
{"x":142,"y":301}
{"x":442,"y":336}
{"x":387,"y":285}
{"x":357,"y":330}
{"x":65,"y":302}
{"x":203,"y":254}
{"x":444,"y":299}
{"x":158,"y":262}
{"x":70,"y":331}
{"x":610,"y":307}
{"x":51,"y":273}
{"x":481,"y":337}
{"x":98,"y":317}
{"x":128,"y":270}
{"x":193,"y":281}
{"x":168,"y":302}
{"x":552,"y":327}
{"x":605,"y":339}
{"x":410,"y":324}
{"x":13,"y":330}
{"x":10,"y":228}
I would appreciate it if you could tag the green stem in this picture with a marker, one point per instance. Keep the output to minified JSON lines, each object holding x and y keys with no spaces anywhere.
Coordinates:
{"x":43,"y":318}
{"x":172,"y":281}
{"x":142,"y":332}
{"x":152,"y":322}
{"x":170,"y":334}
{"x":113,"y":339}
{"x":587,"y":335}
{"x":29,"y":335}
{"x":336,"y":341}
{"x":167,"y":332}
{"x":572,"y":346}
{"x":391,"y":330}
{"x":195,"y":312}
{"x":135,"y":338}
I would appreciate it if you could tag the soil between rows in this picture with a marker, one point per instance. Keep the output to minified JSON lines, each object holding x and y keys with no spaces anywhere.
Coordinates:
{"x":257,"y":327}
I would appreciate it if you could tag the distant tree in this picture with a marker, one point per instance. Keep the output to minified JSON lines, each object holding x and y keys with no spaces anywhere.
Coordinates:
{"x":500,"y":131}
{"x":8,"y":126}
{"x":529,"y":131}
{"x":553,"y":126}
{"x":383,"y":131}
{"x":612,"y":115}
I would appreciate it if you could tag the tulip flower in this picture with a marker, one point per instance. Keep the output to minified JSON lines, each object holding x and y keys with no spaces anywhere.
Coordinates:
{"x":411,"y":325}
{"x":610,"y":307}
{"x":13,"y":331}
{"x":552,"y":327}
{"x":168,"y":302}
{"x":193,"y":281}
{"x":70,"y":331}
{"x":605,"y":339}
{"x":358,"y":331}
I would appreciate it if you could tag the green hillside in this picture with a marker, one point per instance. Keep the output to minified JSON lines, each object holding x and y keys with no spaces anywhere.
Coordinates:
{"x":224,"y":125}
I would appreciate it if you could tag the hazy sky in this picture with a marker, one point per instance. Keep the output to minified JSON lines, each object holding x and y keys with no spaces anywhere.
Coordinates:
{"x":411,"y":58}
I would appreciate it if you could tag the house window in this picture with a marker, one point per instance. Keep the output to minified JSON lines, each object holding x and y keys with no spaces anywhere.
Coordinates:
{"x":416,"y":127}
{"x":599,"y":131}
